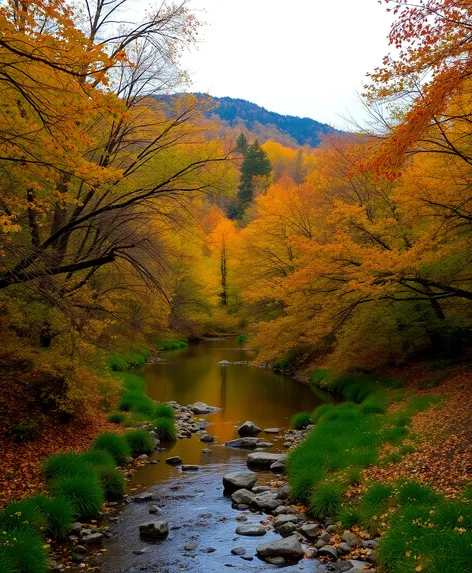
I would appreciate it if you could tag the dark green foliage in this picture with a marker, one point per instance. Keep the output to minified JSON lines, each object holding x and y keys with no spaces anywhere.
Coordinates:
{"x":116,"y":445}
{"x":301,"y":421}
{"x":164,"y":411}
{"x":320,"y":377}
{"x":68,"y":464}
{"x":140,"y":442}
{"x":25,"y":432}
{"x":376,"y":403}
{"x":242,"y":144}
{"x":60,"y":514}
{"x":255,"y":164}
{"x":321,"y":411}
{"x":99,"y":458}
{"x":129,"y":399}
{"x":377,"y":495}
{"x":119,"y":362}
{"x":112,"y":482}
{"x":165,"y":429}
{"x":408,"y":449}
{"x":24,"y":548}
{"x":349,"y":516}
{"x":413,"y":492}
{"x":325,"y":499}
{"x":133,"y":383}
{"x":17,"y":514}
{"x":171,"y":344}
{"x":116,"y":418}
{"x":242,"y":339}
{"x":85,"y":493}
{"x":354,"y":476}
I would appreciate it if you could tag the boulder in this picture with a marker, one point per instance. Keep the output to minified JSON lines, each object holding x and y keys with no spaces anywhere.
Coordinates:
{"x":288,"y":548}
{"x":238,"y":551}
{"x":243,"y":443}
{"x":202,"y":408}
{"x":286,"y":518}
{"x":251,"y":530}
{"x":266,"y":501}
{"x":174,"y":461}
{"x":327,"y":551}
{"x":264,"y":459}
{"x":92,"y":539}
{"x":287,"y":529}
{"x":243,"y":496}
{"x":239,"y":480}
{"x":207,"y":438}
{"x":277,"y":467}
{"x":310,"y":530}
{"x":351,"y":539}
{"x":154,"y":529}
{"x":249,"y":429}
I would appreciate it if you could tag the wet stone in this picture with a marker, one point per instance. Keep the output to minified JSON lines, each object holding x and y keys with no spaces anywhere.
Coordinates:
{"x":238,"y":551}
{"x":174,"y":461}
{"x":190,"y":468}
{"x":251,"y":530}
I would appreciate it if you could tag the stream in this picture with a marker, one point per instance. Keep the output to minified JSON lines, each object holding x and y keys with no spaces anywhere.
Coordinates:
{"x":201,"y":520}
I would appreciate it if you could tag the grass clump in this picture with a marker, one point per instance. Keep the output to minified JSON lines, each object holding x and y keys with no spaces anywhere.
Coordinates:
{"x":85,"y":493}
{"x":67,"y":464}
{"x":99,"y":458}
{"x":413,"y":492}
{"x":25,"y":513}
{"x":407,"y":449}
{"x":112,"y":482}
{"x":23,"y":550}
{"x":325,"y":500}
{"x":164,"y":411}
{"x":140,"y":442}
{"x":301,"y":421}
{"x":165,"y":429}
{"x":349,"y":516}
{"x":116,"y":418}
{"x":120,"y":362}
{"x":167,"y":345}
{"x":59,"y":513}
{"x":114,"y":444}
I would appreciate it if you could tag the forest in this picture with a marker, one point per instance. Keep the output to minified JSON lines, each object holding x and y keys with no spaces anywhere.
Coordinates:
{"x":137,"y":217}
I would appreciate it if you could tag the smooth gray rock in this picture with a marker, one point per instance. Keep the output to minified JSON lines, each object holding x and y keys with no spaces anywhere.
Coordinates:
{"x":238,"y":551}
{"x":310,"y":530}
{"x":246,"y":443}
{"x":142,"y":457}
{"x":154,"y":529}
{"x":286,"y":518}
{"x":266,"y":501}
{"x":202,"y":408}
{"x":343,"y":548}
{"x":207,"y":439}
{"x":288,"y":548}
{"x":142,"y":497}
{"x":249,"y":429}
{"x":370,"y":543}
{"x":75,"y":528}
{"x":271,"y":430}
{"x":327,"y":551}
{"x":261,"y":488}
{"x":243,"y":496}
{"x":277,"y":467}
{"x":351,"y":539}
{"x":92,"y":539}
{"x":276,"y":560}
{"x":190,"y":468}
{"x":251,"y":530}
{"x":154,"y":509}
{"x":264,"y":459}
{"x":287,"y":529}
{"x":239,"y":480}
{"x":358,"y":565}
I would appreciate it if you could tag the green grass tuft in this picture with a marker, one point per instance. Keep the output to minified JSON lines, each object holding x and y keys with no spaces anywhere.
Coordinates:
{"x":60,"y":514}
{"x":114,"y":444}
{"x":116,"y":418}
{"x":165,"y":429}
{"x":140,"y":442}
{"x":85,"y":493}
{"x":413,"y":492}
{"x":166,"y":345}
{"x":164,"y":411}
{"x":242,"y":339}
{"x":99,"y":458}
{"x":25,"y":513}
{"x":68,"y":464}
{"x":112,"y":482}
{"x":349,"y":517}
{"x":301,"y":421}
{"x":25,"y":549}
{"x":325,"y":499}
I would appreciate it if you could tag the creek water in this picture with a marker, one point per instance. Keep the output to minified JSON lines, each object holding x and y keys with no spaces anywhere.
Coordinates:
{"x":199,"y":515}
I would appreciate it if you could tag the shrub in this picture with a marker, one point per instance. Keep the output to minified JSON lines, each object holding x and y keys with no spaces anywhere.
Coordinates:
{"x":112,"y":481}
{"x":25,"y":548}
{"x":116,"y":418}
{"x":85,"y":493}
{"x":164,"y":411}
{"x":301,"y":421}
{"x":165,"y":429}
{"x":140,"y":442}
{"x":68,"y":464}
{"x":18,"y":514}
{"x":325,"y":500}
{"x":242,"y":339}
{"x":349,"y":517}
{"x":171,"y":344}
{"x":114,"y":444}
{"x":60,"y":514}
{"x":25,"y":432}
{"x":99,"y":458}
{"x":413,"y":492}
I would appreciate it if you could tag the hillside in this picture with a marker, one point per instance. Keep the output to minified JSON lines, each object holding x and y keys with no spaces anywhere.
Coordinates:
{"x":242,"y":113}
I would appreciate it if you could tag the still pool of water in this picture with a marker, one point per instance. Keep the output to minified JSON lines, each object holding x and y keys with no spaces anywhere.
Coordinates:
{"x":198,"y":512}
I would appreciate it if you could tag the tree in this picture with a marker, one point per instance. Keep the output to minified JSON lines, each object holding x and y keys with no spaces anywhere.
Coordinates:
{"x":255,"y":164}
{"x":242,"y":144}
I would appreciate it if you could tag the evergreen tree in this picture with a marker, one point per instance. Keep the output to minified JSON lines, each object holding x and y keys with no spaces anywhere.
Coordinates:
{"x":255,"y":164}
{"x":242,"y":144}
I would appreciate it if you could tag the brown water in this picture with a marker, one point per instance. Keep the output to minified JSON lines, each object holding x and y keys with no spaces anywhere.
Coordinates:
{"x":194,"y":504}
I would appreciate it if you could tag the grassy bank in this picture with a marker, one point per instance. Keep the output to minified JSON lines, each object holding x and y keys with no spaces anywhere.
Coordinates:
{"x":420,"y":529}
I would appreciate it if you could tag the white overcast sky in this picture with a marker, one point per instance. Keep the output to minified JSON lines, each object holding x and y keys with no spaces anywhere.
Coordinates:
{"x":298,"y":57}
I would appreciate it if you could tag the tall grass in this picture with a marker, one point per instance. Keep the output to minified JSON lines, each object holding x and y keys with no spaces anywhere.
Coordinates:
{"x":23,"y":550}
{"x":301,"y":421}
{"x":140,"y":442}
{"x":85,"y":493}
{"x":166,"y":345}
{"x":114,"y":444}
{"x":165,"y":429}
{"x":120,"y":362}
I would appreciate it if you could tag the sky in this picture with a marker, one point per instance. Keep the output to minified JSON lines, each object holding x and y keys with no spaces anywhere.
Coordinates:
{"x":297,"y":57}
